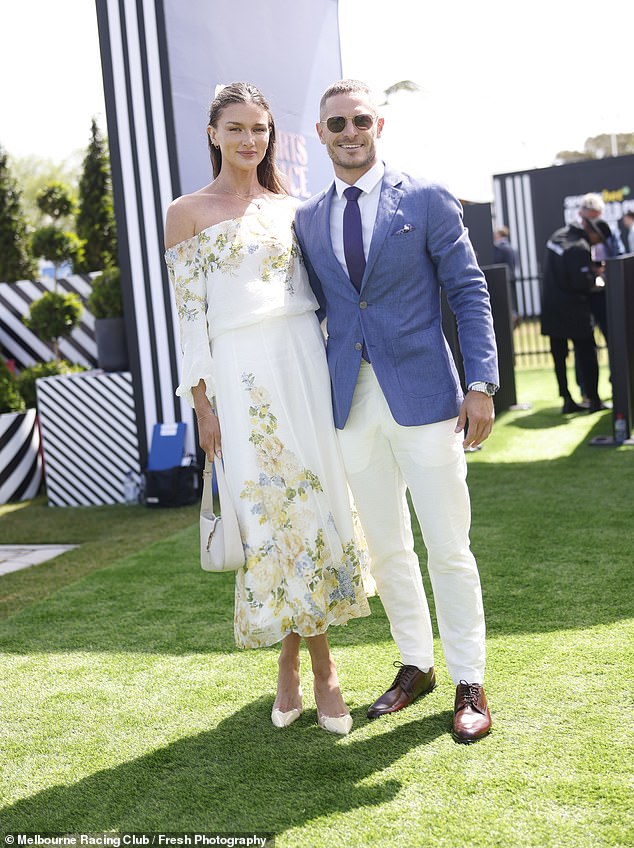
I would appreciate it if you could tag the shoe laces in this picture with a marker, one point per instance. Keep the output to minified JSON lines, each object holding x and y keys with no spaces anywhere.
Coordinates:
{"x":470,"y":693}
{"x":404,"y":675}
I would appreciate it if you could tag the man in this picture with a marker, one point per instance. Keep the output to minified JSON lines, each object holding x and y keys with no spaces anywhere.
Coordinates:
{"x":569,"y":277}
{"x":377,"y":262}
{"x":593,"y":207}
{"x":505,"y":254}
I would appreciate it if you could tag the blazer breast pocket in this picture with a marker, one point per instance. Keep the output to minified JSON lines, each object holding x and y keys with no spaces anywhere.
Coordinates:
{"x":404,"y":231}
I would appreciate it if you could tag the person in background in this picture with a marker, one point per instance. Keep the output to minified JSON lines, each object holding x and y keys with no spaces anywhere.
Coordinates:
{"x":254,"y":369}
{"x":505,"y":254}
{"x":569,"y":277}
{"x":593,"y":207}
{"x":628,"y":226}
{"x":379,"y":248}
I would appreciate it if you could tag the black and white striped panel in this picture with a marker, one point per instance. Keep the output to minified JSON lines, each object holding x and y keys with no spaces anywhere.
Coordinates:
{"x":514,"y":208}
{"x":20,"y":344}
{"x":20,"y":457}
{"x":144,"y":172}
{"x":89,"y":436}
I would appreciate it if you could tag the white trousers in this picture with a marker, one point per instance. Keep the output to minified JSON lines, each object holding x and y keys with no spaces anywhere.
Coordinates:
{"x":382,"y":460}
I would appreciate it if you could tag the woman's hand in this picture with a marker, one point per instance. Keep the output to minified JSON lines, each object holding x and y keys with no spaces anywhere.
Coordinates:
{"x":208,"y":424}
{"x":209,"y":435}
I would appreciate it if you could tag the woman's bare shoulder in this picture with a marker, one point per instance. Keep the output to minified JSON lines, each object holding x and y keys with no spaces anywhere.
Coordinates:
{"x":184,"y":214}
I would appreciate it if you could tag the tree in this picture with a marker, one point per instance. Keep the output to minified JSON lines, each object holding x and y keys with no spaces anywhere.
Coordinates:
{"x":54,"y":315}
{"x":58,"y":246}
{"x":32,"y":172}
{"x":16,"y":261}
{"x":402,"y":85}
{"x":106,"y":300}
{"x":598,"y":147}
{"x":55,"y":200}
{"x":95,"y":222}
{"x":52,"y":242}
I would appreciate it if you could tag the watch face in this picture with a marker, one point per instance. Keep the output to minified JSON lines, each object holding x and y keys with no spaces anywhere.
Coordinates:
{"x":488,"y":388}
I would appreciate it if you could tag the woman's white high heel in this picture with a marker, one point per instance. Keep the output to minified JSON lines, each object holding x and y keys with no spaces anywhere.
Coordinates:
{"x":335,"y":724}
{"x":284,"y":719}
{"x":339,"y":724}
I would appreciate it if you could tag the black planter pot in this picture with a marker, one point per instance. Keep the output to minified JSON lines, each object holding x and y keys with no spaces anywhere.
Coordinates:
{"x":112,"y":349}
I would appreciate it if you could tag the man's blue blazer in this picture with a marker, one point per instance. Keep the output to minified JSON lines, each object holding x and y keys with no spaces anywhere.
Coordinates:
{"x":419,"y":246}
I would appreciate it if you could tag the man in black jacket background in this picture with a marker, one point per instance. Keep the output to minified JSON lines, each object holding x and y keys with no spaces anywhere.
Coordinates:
{"x":569,"y":278}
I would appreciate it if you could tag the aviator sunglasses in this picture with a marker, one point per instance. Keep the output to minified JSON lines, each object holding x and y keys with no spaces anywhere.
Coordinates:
{"x":337,"y":123}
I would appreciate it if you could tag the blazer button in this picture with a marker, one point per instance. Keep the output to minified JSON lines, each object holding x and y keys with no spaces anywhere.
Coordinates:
{"x":358,"y":346}
{"x":363,"y":305}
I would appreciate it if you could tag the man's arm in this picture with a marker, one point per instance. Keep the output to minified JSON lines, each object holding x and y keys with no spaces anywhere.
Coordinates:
{"x":460,"y":276}
{"x":313,"y":279}
{"x":463,"y":281}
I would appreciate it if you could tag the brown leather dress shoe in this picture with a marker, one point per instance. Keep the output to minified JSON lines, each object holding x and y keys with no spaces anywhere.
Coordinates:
{"x":410,"y":683}
{"x":471,"y":716}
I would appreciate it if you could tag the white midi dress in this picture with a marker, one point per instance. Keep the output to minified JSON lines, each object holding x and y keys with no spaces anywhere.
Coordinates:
{"x":249,"y":330}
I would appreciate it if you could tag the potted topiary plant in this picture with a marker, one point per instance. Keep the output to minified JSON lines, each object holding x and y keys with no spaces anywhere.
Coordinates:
{"x":20,"y":460}
{"x":105,"y":302}
{"x":53,"y":316}
{"x":56,"y":314}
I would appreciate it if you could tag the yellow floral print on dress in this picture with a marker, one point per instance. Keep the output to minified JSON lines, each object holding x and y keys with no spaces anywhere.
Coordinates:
{"x":297,"y":574}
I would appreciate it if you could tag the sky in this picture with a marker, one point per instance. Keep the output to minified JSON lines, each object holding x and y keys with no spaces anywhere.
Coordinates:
{"x":502,"y":88}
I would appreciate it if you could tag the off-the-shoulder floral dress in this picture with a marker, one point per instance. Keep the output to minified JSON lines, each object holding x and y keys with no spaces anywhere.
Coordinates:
{"x":249,"y":330}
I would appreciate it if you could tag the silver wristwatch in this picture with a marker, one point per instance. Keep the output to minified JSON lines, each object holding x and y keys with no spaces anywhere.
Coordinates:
{"x":487,"y":388}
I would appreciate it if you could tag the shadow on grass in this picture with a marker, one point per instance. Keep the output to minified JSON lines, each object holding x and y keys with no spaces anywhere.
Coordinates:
{"x":244,"y":775}
{"x":542,"y":419}
{"x":551,"y":418}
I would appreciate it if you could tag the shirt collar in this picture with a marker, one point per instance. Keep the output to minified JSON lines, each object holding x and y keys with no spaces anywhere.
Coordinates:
{"x":366,"y":183}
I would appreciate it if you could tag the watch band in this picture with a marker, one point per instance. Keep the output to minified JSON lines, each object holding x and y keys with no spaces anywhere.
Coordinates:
{"x":486,"y":388}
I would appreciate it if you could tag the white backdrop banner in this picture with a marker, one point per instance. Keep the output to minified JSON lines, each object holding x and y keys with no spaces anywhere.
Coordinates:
{"x":162,"y":61}
{"x":289,"y":49}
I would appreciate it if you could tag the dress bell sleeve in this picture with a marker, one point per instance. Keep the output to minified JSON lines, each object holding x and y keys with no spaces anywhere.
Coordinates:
{"x":190,"y":292}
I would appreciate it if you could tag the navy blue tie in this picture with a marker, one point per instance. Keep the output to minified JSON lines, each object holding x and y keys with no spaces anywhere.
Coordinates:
{"x":353,"y":236}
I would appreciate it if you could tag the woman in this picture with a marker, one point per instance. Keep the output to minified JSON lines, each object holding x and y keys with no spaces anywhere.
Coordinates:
{"x":254,"y":369}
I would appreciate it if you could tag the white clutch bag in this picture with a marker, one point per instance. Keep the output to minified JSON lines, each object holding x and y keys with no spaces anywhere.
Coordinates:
{"x":221,"y":546}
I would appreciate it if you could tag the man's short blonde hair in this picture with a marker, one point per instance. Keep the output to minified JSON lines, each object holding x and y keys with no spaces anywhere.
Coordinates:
{"x":346,"y":86}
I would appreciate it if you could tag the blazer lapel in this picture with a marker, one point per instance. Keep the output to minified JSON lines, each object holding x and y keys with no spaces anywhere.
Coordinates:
{"x":323,"y":228}
{"x":322,"y":219}
{"x":388,"y":204}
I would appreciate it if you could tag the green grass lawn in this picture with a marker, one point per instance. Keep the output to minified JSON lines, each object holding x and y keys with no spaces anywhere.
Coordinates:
{"x":126,"y":707}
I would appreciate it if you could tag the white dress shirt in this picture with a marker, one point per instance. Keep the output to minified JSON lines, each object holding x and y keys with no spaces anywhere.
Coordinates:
{"x":370,"y":184}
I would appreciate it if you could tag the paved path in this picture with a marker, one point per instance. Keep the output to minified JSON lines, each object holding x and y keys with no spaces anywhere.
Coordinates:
{"x":15,"y":557}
